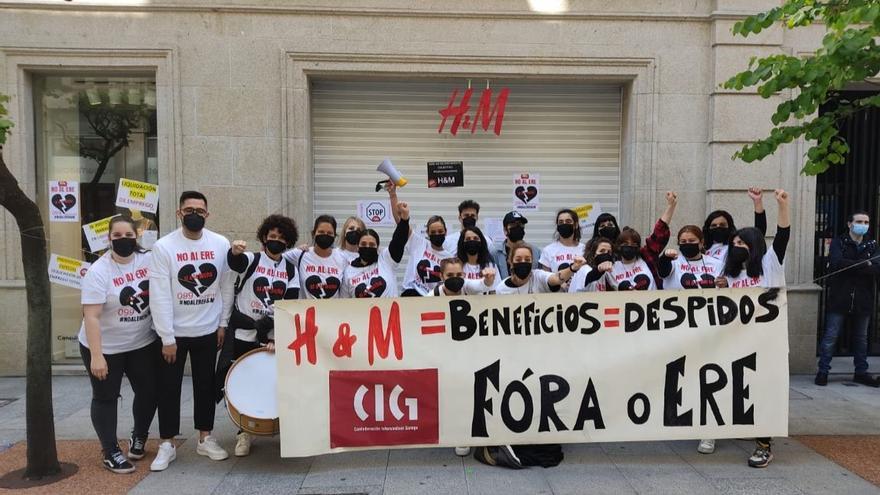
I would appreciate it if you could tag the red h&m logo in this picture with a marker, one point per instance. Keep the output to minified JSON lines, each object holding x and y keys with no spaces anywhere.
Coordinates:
{"x":378,"y":408}
{"x":484,"y":115}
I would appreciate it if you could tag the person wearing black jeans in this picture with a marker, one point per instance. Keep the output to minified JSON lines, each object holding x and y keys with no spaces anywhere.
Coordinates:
{"x":850,"y":295}
{"x":116,"y":338}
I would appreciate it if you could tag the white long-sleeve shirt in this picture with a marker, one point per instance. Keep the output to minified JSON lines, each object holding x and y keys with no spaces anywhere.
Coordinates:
{"x":191,"y":287}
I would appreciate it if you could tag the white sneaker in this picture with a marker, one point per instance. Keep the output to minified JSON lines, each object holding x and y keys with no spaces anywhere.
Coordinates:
{"x":707,"y":446}
{"x":167,"y":453}
{"x":212,"y":449}
{"x":462,"y":451}
{"x":243,"y":445}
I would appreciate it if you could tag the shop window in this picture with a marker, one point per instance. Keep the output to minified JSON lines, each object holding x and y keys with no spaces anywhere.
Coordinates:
{"x":93,"y":129}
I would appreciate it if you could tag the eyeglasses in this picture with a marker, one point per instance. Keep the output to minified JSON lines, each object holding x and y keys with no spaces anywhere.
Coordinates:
{"x":198,"y":211}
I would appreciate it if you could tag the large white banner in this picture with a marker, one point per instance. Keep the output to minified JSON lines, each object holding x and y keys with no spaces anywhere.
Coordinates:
{"x":549,"y":368}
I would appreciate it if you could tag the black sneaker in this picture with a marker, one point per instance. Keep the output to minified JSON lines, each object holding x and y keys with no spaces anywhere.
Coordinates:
{"x":116,"y":462}
{"x":762,"y":456}
{"x":821,"y":379}
{"x":136,"y":447}
{"x":866,"y":379}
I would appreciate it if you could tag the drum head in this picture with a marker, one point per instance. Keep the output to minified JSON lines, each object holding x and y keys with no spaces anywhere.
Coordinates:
{"x":250,"y":385}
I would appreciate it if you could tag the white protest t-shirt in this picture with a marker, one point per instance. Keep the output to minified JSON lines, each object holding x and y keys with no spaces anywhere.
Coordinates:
{"x":578,"y":281}
{"x":376,"y":280}
{"x":695,"y":274}
{"x":190,"y":286}
{"x":717,"y":251}
{"x":631,"y":276}
{"x":451,"y":242}
{"x":470,"y":287}
{"x":124,"y":290}
{"x":319,"y":278}
{"x":774,"y":274}
{"x":423,"y":269}
{"x":538,"y":283}
{"x":349,"y":255}
{"x":269,"y":282}
{"x":474,"y":272}
{"x":558,"y":256}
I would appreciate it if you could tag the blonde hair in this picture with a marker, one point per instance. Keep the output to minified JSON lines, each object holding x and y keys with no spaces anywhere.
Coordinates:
{"x":361,"y":226}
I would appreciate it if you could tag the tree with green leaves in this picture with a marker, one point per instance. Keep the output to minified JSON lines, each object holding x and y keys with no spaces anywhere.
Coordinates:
{"x":42,"y":457}
{"x":849,"y":53}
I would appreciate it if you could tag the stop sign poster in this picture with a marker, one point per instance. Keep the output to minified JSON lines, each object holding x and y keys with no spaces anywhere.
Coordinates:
{"x":376,"y":213}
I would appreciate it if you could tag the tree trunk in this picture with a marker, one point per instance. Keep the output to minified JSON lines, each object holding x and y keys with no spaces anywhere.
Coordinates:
{"x":42,"y":457}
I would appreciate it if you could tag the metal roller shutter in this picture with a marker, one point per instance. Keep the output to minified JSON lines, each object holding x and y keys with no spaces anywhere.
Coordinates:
{"x":568,"y":133}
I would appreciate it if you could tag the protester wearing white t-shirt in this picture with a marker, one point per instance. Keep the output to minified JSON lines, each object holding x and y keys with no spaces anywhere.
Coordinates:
{"x":599,"y":260}
{"x":352,"y":229}
{"x":473,"y":251}
{"x":373,"y":272}
{"x":560,"y":253}
{"x":750,"y":264}
{"x":455,"y":283}
{"x":320,"y":267}
{"x":116,"y":338}
{"x":719,"y":227}
{"x":688,"y":267}
{"x":525,"y":280}
{"x":191,"y":295}
{"x":263,"y":278}
{"x":630,"y":271}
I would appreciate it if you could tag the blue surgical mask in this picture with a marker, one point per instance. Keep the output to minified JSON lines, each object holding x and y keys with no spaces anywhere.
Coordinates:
{"x":860,"y":228}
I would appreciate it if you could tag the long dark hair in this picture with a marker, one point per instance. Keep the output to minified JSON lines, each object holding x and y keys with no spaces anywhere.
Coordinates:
{"x":754,"y":239}
{"x":604,"y":217}
{"x":483,"y":258}
{"x":324,"y":219}
{"x":712,"y":216}
{"x":126,"y":219}
{"x":577,"y":223}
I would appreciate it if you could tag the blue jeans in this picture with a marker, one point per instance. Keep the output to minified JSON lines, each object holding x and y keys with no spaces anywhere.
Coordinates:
{"x":833,"y":324}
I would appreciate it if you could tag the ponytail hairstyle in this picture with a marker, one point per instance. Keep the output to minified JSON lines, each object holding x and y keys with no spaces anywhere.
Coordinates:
{"x":126,"y":219}
{"x":754,"y":239}
{"x":692,"y":229}
{"x":434,"y":219}
{"x":324,"y":219}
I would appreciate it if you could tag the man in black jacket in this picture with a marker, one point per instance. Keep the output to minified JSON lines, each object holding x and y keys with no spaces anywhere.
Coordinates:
{"x":850,"y":293}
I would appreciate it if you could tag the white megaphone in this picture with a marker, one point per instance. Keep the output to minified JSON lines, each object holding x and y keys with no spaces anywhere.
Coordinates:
{"x":387,"y":168}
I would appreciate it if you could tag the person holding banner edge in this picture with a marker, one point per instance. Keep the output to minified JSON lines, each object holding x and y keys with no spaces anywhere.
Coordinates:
{"x":116,"y":338}
{"x":750,"y":264}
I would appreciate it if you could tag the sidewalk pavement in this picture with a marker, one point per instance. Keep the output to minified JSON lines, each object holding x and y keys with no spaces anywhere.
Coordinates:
{"x":841,"y":408}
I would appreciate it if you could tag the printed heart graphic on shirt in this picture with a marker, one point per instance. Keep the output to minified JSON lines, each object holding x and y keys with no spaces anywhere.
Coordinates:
{"x":428,"y":273}
{"x":268,"y":293}
{"x":707,"y":281}
{"x":642,"y":282}
{"x":376,"y":288}
{"x":197,"y":282}
{"x":139,"y":301}
{"x":688,"y":281}
{"x":563,"y":266}
{"x":322,"y":290}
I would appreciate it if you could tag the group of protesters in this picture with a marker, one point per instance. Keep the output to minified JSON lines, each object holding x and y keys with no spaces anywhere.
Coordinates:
{"x":145,"y":312}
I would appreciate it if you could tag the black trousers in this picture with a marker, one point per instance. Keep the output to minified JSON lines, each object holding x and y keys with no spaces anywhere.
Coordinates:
{"x":203,"y":353}
{"x":243,"y":346}
{"x":141,"y":367}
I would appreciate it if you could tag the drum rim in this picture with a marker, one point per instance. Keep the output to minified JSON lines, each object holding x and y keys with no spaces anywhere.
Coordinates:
{"x":229,"y":406}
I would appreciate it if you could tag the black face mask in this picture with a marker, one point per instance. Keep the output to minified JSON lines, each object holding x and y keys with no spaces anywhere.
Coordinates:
{"x":719,"y":235}
{"x":352,"y":237}
{"x":468,"y":222}
{"x":124,"y":246}
{"x":323,"y":241}
{"x":275,"y":247}
{"x":522,"y":269}
{"x":193,"y":222}
{"x":515,"y":234}
{"x":565,"y":230}
{"x":602,"y":258}
{"x":628,"y":253}
{"x":437,"y":239}
{"x":472,"y":247}
{"x":609,"y":232}
{"x":453,"y":284}
{"x":368,"y":255}
{"x":737,"y":254}
{"x":689,"y":250}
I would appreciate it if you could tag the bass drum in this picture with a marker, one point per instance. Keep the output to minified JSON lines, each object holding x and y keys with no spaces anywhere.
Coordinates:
{"x":250,"y":393}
